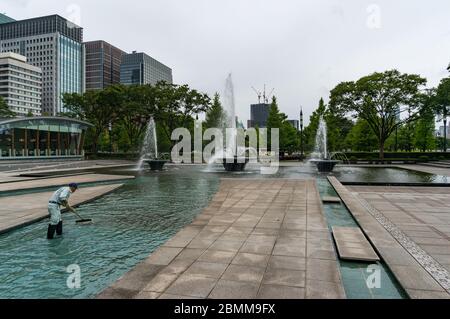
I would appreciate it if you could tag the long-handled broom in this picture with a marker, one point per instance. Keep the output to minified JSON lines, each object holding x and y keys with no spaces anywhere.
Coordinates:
{"x":82,"y":221}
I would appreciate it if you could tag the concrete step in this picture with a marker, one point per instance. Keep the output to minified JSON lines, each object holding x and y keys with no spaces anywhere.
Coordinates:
{"x":353,"y":245}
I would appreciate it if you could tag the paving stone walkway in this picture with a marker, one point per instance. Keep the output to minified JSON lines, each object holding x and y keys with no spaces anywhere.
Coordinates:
{"x":409,"y":227}
{"x":17,"y":211}
{"x":256,"y":239}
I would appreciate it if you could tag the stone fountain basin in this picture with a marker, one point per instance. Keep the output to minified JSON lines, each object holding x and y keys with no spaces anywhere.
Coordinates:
{"x":325,"y":166}
{"x":235,"y":164}
{"x":156,"y":164}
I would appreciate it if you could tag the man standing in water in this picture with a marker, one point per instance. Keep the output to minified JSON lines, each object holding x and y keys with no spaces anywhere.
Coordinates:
{"x":59,"y":198}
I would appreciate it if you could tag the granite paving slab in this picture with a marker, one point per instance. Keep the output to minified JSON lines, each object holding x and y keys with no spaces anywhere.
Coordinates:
{"x":352,"y":244}
{"x":331,"y":199}
{"x":60,"y":181}
{"x":416,"y":269}
{"x":239,"y":247}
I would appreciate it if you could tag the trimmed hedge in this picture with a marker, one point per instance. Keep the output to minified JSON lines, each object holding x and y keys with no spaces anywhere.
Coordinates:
{"x":113,"y":156}
{"x":418,"y":156}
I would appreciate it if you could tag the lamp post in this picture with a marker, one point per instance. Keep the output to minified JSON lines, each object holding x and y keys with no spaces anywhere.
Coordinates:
{"x":110,"y":138}
{"x":438,"y":143}
{"x":301,"y":133}
{"x":445,"y":129}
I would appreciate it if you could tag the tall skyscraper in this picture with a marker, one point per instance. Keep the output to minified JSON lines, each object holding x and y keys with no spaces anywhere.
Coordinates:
{"x":258,"y":115}
{"x":102,"y":64}
{"x":20,"y":84}
{"x":56,"y":46}
{"x":139,"y":68}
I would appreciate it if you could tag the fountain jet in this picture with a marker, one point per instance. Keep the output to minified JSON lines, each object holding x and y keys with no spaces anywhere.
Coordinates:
{"x":149,"y":150}
{"x":320,"y":156}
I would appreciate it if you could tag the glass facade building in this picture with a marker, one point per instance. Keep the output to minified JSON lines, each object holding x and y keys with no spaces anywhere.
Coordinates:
{"x":258,"y":115}
{"x":102,"y":64}
{"x":5,"y":18}
{"x":56,"y":46}
{"x":139,"y":68}
{"x":42,"y":137}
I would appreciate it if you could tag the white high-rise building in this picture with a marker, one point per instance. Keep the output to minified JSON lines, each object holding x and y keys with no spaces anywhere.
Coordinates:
{"x":20,"y":84}
{"x":56,"y":46}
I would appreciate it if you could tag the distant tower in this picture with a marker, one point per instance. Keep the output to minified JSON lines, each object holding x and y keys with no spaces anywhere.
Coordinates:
{"x":260,"y":112}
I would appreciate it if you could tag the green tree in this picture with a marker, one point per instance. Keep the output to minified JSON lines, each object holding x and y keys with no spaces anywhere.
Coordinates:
{"x":361,"y":137}
{"x":5,"y":112}
{"x":338,"y":127}
{"x":379,"y":98}
{"x":135,"y":112}
{"x":405,"y":138}
{"x":215,"y":115}
{"x":275,"y":120}
{"x":311,"y":130}
{"x":441,"y":105}
{"x":424,"y":138}
{"x":289,"y":139}
{"x":99,"y":108}
{"x":176,"y":105}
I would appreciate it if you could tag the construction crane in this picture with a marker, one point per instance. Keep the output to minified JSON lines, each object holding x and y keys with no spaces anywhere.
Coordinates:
{"x":258,"y":94}
{"x":265,"y":97}
{"x":268,"y":96}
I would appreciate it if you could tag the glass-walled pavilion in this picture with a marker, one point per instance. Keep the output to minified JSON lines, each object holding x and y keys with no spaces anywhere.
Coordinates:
{"x":42,"y":137}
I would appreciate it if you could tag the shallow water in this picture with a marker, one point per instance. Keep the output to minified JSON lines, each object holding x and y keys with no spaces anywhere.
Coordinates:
{"x":128,"y":225}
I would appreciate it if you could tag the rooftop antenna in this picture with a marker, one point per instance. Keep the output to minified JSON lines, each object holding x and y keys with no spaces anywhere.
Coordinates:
{"x":258,"y":94}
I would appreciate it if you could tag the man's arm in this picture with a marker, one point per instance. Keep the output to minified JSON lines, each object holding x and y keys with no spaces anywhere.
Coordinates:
{"x":65,"y":203}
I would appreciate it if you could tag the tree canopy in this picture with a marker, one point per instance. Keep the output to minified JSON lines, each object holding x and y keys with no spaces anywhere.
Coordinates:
{"x":380,"y":99}
{"x":5,"y":112}
{"x":289,"y":139}
{"x":129,"y":108}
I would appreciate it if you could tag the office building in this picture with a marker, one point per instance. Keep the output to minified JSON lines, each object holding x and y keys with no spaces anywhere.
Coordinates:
{"x":139,"y":68}
{"x":56,"y":46}
{"x":258,"y":115}
{"x":20,"y":84}
{"x":102,"y":65}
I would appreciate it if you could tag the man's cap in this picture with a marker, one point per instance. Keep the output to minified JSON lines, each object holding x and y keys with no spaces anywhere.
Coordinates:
{"x":73,"y":185}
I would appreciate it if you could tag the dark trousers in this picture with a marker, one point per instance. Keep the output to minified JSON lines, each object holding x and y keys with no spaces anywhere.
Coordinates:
{"x":52,"y":228}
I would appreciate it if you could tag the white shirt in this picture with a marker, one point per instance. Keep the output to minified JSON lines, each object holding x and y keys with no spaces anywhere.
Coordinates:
{"x":61,"y":195}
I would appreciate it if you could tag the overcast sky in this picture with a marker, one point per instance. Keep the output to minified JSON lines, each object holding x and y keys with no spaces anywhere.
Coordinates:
{"x":300,"y":48}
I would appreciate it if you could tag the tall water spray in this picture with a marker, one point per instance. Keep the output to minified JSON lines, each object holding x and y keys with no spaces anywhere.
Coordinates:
{"x":320,"y":156}
{"x":230,"y":117}
{"x":149,"y":149}
{"x":227,"y":121}
{"x":320,"y":148}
